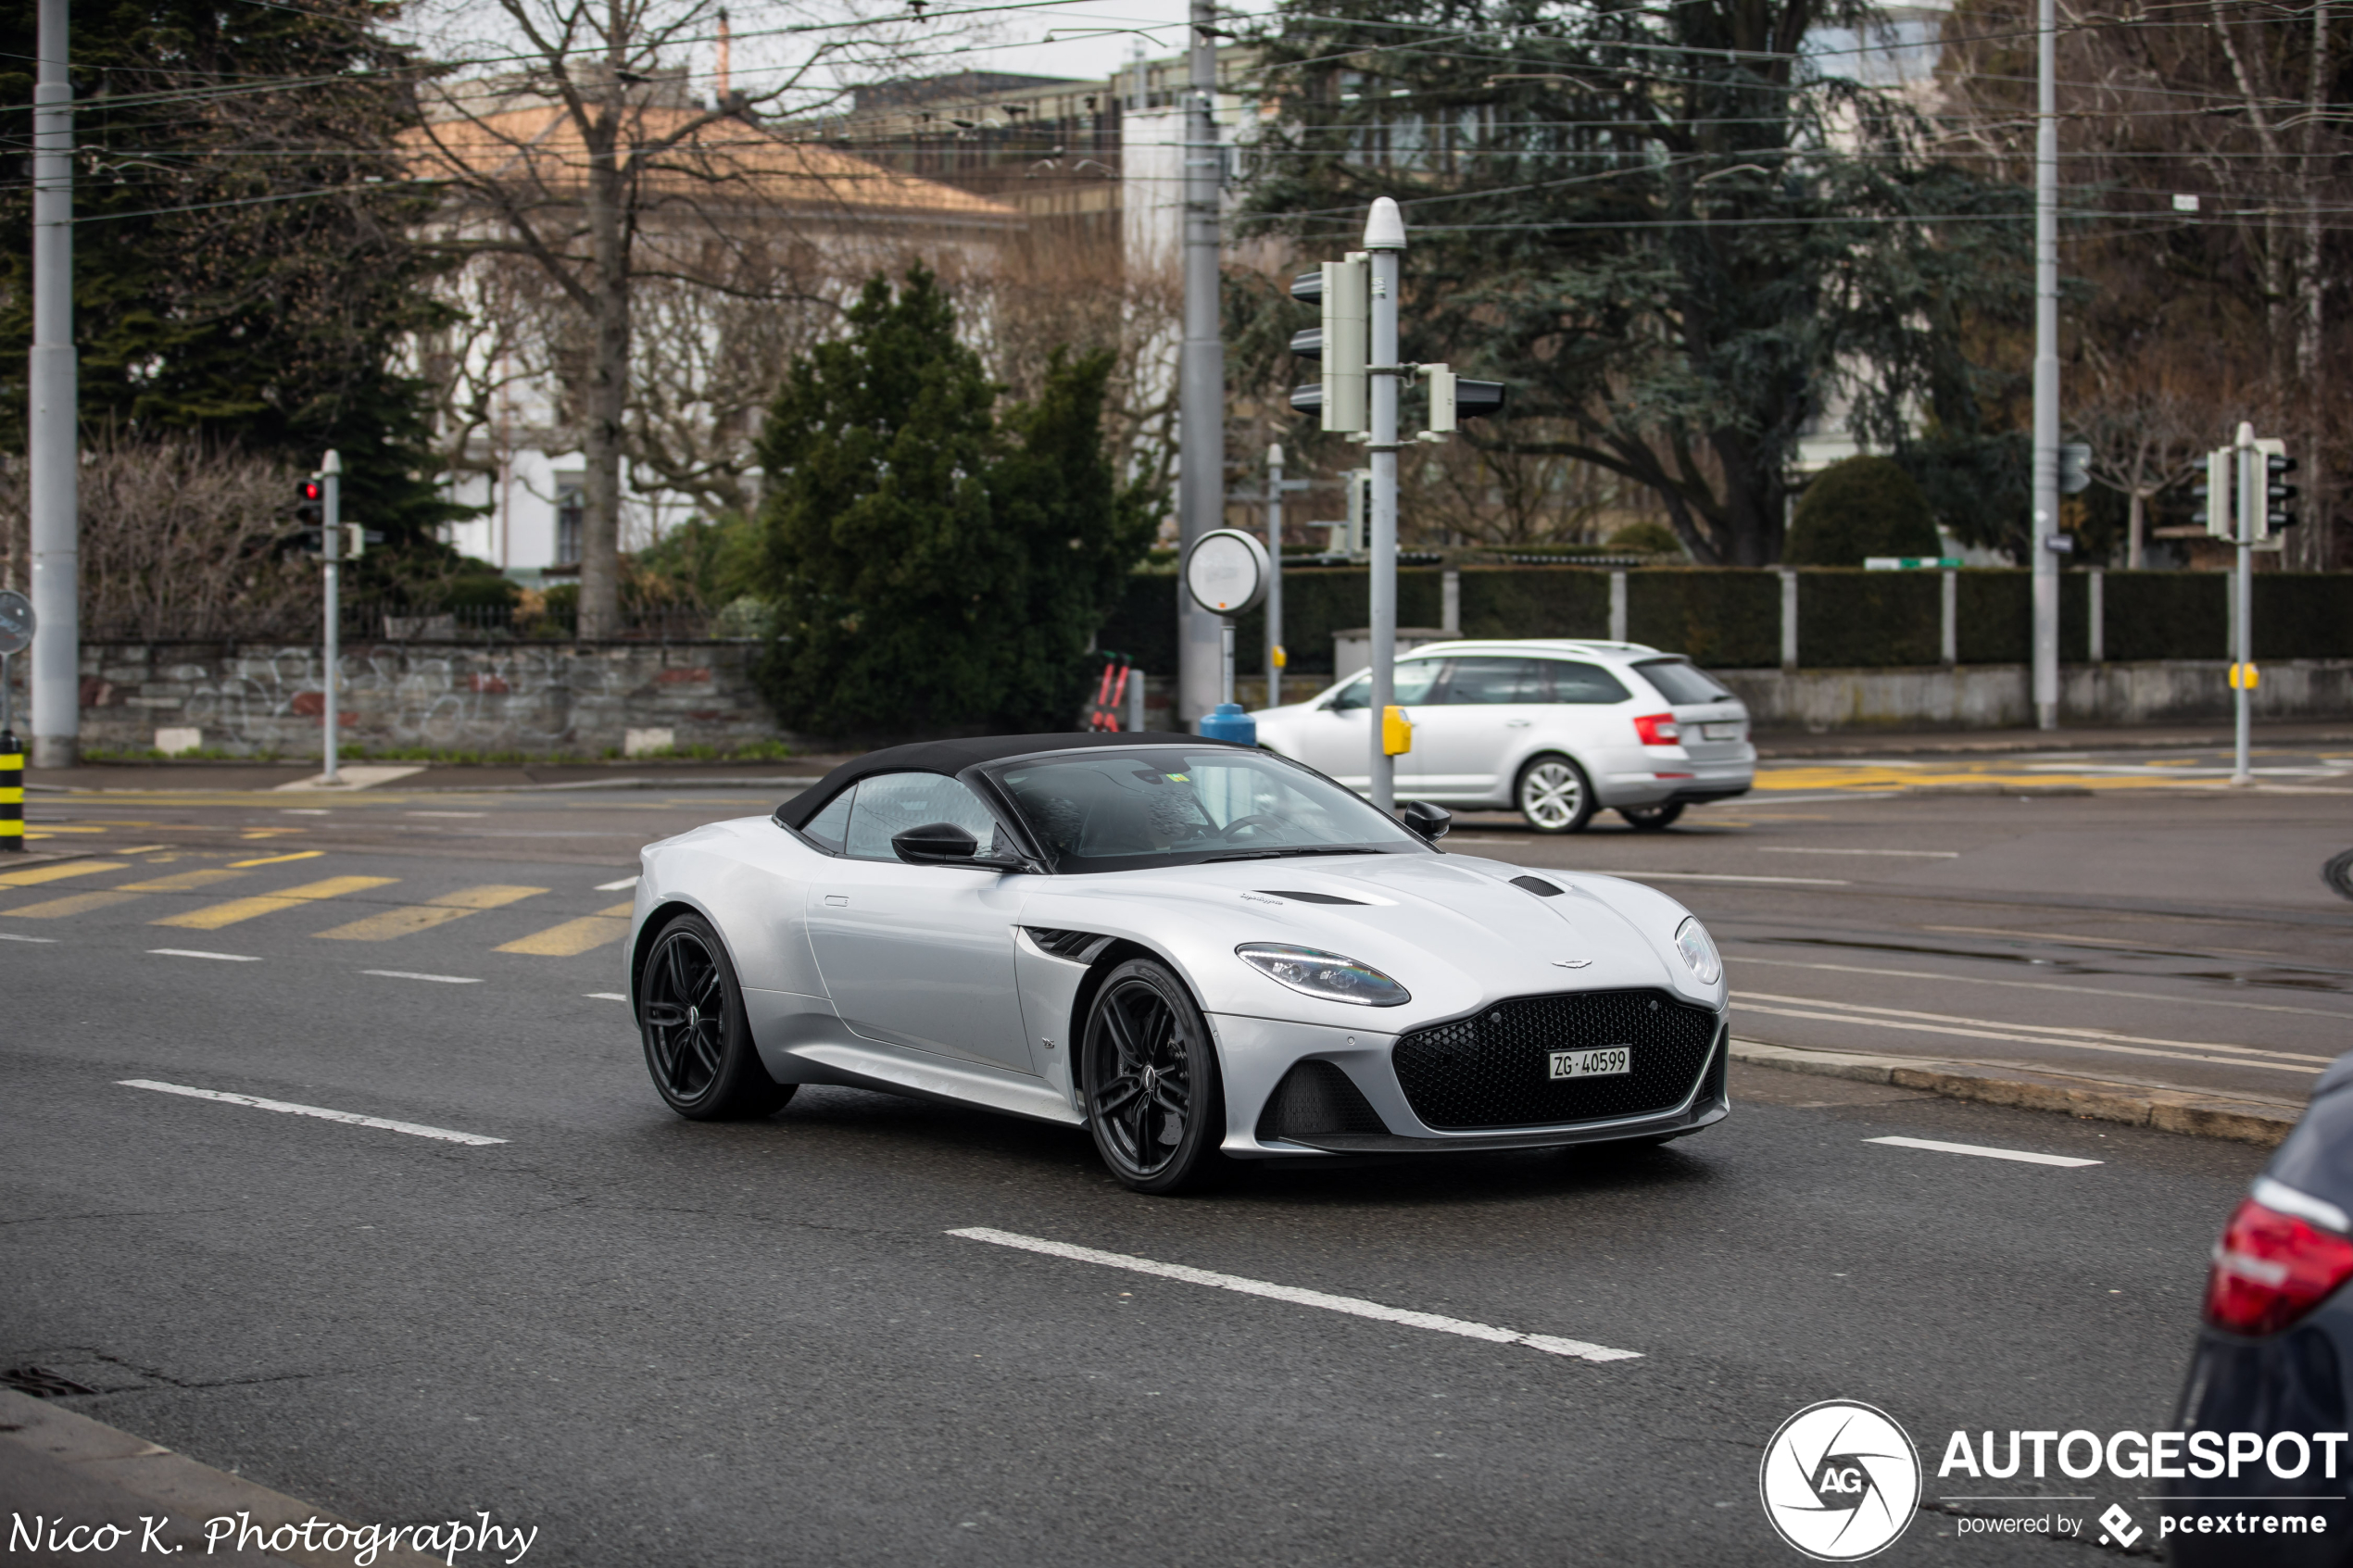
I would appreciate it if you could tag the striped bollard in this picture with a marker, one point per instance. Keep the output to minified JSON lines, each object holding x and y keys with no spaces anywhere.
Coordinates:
{"x":11,"y":794}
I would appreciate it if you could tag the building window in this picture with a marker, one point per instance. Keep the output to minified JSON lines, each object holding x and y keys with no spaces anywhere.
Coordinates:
{"x":570,"y":509}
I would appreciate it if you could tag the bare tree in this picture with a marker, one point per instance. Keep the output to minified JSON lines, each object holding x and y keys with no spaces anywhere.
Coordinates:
{"x":597,"y":164}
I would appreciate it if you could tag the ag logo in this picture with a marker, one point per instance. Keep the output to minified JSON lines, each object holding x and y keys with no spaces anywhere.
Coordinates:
{"x":1840,"y":1480}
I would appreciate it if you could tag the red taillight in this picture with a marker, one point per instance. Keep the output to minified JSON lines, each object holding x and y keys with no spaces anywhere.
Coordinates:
{"x":2270,"y":1269}
{"x":1657,"y":728}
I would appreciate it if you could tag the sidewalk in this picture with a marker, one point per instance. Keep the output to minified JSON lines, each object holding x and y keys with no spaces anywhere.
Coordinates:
{"x":259,"y":776}
{"x":1784,"y":744}
{"x":2256,"y":1119}
{"x":66,"y":1469}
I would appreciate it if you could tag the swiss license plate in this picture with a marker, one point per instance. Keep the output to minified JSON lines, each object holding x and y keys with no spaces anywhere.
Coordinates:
{"x":1720,"y":731}
{"x":1593,"y":1065}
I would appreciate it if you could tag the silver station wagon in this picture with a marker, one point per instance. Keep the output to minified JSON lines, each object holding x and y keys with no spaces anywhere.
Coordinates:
{"x":1554,"y":729}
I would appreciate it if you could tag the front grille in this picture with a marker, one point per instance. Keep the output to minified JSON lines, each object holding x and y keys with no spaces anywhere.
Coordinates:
{"x":1316,"y":1098}
{"x":1492,"y":1070}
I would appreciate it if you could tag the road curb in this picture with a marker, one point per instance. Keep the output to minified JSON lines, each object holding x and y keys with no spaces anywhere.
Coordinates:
{"x":2264,"y":1123}
{"x":57,"y":1463}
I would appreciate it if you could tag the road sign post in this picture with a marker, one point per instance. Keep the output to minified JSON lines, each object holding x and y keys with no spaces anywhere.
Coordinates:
{"x":2251,"y":476}
{"x":331,"y":545}
{"x":1226,"y":573}
{"x":16,"y":624}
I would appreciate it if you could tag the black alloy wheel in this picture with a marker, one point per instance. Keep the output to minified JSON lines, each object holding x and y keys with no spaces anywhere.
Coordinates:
{"x":1155,"y":1100}
{"x":698,"y":1047}
{"x":1651,"y":819}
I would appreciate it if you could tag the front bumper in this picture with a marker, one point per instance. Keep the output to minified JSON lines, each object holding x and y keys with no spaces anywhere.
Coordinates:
{"x":1255,"y":1055}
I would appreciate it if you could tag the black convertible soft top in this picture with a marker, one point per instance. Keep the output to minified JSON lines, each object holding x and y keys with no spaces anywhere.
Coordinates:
{"x":952,"y":757}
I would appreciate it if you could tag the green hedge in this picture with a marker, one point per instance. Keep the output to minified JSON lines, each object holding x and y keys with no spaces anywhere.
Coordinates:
{"x":1731,"y":619}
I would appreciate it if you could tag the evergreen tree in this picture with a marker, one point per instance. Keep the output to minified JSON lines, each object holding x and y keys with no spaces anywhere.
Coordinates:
{"x":243,"y":268}
{"x":930,"y":568}
{"x":1861,"y":507}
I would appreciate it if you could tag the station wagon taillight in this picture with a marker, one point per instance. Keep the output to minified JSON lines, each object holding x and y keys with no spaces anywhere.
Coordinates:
{"x":2270,"y":1269}
{"x":1657,"y":728}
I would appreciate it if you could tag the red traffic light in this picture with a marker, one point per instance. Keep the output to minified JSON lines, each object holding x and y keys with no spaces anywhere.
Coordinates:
{"x":313,"y":491}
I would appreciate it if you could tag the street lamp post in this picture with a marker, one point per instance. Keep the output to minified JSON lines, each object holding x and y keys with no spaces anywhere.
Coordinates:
{"x":51,"y":422}
{"x":2046,"y":377}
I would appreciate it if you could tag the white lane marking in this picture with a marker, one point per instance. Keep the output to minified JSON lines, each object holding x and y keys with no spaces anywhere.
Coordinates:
{"x":303,"y":812}
{"x":408,"y":974}
{"x":2060,"y":1033}
{"x":621,"y":887}
{"x":1915,"y":854}
{"x":2022,"y":1156}
{"x":1725,"y":876}
{"x":604,"y":995}
{"x":12,"y":936}
{"x":1352,"y":1305}
{"x":412,"y":1128}
{"x":194,"y":953}
{"x":2029,"y":984}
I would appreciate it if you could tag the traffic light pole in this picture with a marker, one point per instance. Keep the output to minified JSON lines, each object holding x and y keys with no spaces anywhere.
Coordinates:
{"x":2254,"y":504}
{"x":331,"y":542}
{"x":53,"y":420}
{"x":2046,"y":377}
{"x":1275,"y":655}
{"x":1385,"y":246}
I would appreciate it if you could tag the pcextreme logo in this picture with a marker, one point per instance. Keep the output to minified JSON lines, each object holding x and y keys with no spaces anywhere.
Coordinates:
{"x":1840,"y":1480}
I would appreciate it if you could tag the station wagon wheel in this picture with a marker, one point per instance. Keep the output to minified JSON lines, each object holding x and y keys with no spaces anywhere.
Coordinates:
{"x":1553,"y":795}
{"x":1650,"y":819}
{"x":1154,"y":1100}
{"x":690,"y":1012}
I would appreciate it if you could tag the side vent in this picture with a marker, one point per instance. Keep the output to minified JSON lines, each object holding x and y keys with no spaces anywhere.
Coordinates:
{"x":1080,"y":946}
{"x":1316,"y":1098}
{"x":1537,"y":886}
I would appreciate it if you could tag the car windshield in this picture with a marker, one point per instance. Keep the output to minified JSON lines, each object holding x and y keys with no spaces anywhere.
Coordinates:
{"x":1123,"y":811}
{"x":1682,"y":683}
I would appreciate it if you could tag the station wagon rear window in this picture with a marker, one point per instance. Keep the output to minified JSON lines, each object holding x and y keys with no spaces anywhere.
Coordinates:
{"x":1682,"y":683}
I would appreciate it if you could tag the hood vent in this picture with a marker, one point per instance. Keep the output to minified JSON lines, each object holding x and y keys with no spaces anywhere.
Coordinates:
{"x":1311,"y":897}
{"x":1537,"y":886}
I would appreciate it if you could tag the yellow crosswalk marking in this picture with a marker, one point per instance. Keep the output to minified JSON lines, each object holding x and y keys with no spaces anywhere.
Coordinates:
{"x":383,"y":927}
{"x":575,"y":937}
{"x":281,"y":860}
{"x":76,"y":904}
{"x":212,"y":917}
{"x":180,"y":881}
{"x":57,"y":873}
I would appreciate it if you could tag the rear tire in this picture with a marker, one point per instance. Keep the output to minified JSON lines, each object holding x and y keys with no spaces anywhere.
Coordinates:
{"x":1553,"y":795}
{"x":1156,"y":1101}
{"x":1651,"y":819}
{"x":690,"y":1015}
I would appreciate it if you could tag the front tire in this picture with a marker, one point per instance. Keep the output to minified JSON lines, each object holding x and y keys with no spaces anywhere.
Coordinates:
{"x":1553,"y":795}
{"x":1156,"y":1101}
{"x":1651,"y":819}
{"x":690,"y":1014}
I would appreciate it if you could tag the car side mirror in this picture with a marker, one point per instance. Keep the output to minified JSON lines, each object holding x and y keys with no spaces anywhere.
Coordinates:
{"x":935,"y":844}
{"x":1426,"y":822}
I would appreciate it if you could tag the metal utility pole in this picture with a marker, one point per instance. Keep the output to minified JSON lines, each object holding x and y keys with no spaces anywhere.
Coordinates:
{"x":2254,"y":504}
{"x":2046,"y":375}
{"x":1385,"y":245}
{"x":331,"y":542}
{"x":1200,"y":475}
{"x":52,"y":435}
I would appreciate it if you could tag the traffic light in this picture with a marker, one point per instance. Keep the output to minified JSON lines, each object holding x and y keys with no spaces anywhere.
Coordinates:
{"x":1344,"y":290}
{"x":311,"y":510}
{"x":2277,"y":513}
{"x":2075,"y":468}
{"x":2211,"y":493}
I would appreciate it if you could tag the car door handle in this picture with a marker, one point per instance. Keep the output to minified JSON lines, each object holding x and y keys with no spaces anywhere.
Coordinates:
{"x":1515,"y":723}
{"x":840,"y":900}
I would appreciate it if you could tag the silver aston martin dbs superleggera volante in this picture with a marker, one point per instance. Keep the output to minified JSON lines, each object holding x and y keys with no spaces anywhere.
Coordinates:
{"x":1198,"y":950}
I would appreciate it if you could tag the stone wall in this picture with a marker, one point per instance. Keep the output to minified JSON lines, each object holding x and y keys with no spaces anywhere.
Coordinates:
{"x":576,"y":698}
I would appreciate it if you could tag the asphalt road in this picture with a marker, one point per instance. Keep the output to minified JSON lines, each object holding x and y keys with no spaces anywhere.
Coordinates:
{"x":664,"y":1342}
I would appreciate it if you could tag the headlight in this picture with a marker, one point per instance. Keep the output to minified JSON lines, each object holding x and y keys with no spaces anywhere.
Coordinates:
{"x":1328,"y":975}
{"x":1699,"y":951}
